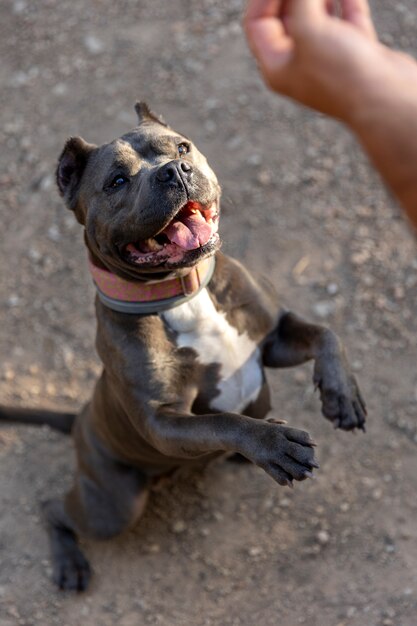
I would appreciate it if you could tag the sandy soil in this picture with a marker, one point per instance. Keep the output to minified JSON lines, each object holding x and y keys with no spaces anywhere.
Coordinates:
{"x":225,"y":545}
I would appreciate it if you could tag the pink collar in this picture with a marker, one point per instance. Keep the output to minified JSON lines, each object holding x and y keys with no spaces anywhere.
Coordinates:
{"x":154,"y":296}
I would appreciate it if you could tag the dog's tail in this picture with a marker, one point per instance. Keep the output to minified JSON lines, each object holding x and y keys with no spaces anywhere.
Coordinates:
{"x":38,"y":417}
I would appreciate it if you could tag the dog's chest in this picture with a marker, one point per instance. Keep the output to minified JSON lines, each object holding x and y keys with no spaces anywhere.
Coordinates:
{"x":200,"y":326}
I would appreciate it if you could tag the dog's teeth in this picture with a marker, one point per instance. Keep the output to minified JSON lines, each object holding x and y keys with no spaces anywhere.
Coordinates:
{"x":153,"y":245}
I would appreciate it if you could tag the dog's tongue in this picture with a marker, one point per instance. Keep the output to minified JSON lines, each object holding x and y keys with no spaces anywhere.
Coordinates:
{"x":192,"y":232}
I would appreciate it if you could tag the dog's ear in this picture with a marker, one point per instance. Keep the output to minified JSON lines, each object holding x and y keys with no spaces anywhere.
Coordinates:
{"x":71,"y":165}
{"x":146,"y":115}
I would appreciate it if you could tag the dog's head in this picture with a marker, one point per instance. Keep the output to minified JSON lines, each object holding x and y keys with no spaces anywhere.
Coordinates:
{"x":149,"y":201}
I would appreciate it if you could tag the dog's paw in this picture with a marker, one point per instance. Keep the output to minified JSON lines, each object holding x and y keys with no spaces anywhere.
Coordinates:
{"x":71,"y":570}
{"x":341,"y":399}
{"x":286,"y":454}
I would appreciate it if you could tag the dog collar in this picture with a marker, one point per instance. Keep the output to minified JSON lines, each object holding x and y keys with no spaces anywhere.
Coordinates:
{"x":152,"y":296}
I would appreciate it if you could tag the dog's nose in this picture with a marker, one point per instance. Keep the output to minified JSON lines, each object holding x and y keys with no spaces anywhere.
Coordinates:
{"x":177,"y":172}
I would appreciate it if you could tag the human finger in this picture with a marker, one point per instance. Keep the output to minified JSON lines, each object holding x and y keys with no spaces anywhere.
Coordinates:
{"x":265,"y":32}
{"x":358,"y":13}
{"x":303,"y":15}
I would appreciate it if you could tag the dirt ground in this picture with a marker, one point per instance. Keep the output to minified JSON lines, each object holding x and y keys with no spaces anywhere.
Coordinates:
{"x":224,"y":545}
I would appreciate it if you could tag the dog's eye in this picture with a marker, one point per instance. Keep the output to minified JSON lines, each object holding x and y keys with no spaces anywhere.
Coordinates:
{"x":118,"y":181}
{"x":183,"y":149}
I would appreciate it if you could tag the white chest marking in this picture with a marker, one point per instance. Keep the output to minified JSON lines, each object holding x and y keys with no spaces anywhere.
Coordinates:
{"x":201,"y":327}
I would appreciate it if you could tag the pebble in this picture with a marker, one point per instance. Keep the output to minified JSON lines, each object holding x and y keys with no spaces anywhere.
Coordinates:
{"x":324,"y":308}
{"x":34,"y":254}
{"x":377,"y":494}
{"x":93,"y":44}
{"x":264,"y":177}
{"x":254,"y":159}
{"x":19,"y":7}
{"x":255,"y":551}
{"x":332,"y":289}
{"x":13,"y":300}
{"x":323,"y":537}
{"x":154,"y":548}
{"x":54,"y":234}
{"x":179,"y":527}
{"x":60,"y":89}
{"x":9,"y":374}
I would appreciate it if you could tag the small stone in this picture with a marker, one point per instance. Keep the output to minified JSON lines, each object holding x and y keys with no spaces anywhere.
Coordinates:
{"x":13,"y":300}
{"x":179,"y":527}
{"x":254,"y":159}
{"x":34,"y":255}
{"x":154,"y":548}
{"x":93,"y":44}
{"x":60,"y":89}
{"x":264,"y":177}
{"x":54,"y":234}
{"x":9,"y":374}
{"x":19,"y":7}
{"x":51,"y":389}
{"x":377,"y":494}
{"x":323,"y":537}
{"x":255,"y":551}
{"x":46,"y":182}
{"x":324,"y":308}
{"x":332,"y":289}
{"x":344,"y":507}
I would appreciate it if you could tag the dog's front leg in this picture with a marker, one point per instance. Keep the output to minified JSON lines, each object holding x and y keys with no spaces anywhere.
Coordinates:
{"x":286,"y":454}
{"x":295,"y":341}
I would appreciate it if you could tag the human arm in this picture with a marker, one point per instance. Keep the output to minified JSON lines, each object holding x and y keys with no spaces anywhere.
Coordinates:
{"x":337,"y":66}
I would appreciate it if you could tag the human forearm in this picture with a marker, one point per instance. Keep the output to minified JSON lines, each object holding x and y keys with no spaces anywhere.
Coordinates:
{"x":385,"y":123}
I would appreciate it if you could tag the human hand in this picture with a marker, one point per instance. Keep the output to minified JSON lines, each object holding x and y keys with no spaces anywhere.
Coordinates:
{"x":309,"y":52}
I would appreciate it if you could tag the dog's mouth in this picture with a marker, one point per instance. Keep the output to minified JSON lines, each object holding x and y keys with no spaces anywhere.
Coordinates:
{"x":193,"y":229}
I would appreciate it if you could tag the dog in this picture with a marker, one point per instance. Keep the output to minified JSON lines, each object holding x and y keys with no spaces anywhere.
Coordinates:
{"x":184,"y":334}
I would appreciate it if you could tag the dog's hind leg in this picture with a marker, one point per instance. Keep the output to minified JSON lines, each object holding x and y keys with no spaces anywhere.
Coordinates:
{"x":71,"y":570}
{"x":108,"y":497}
